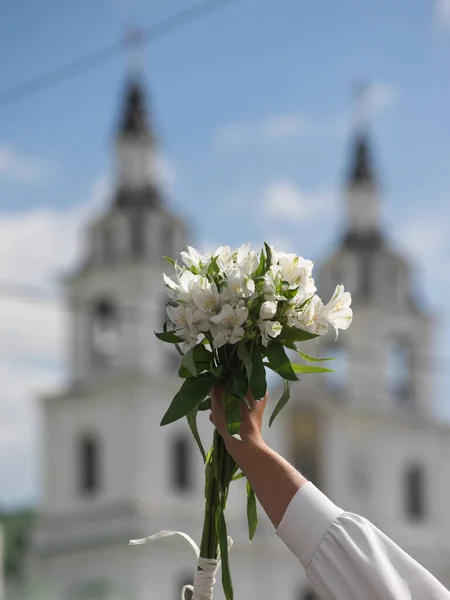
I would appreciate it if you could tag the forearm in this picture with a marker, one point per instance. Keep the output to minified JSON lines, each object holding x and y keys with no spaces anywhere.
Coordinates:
{"x":274,"y":481}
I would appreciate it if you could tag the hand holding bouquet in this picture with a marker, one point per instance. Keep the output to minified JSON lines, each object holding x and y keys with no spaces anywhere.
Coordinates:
{"x":232,"y":315}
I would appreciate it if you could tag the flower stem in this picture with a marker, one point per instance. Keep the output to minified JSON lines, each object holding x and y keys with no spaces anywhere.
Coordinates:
{"x":216,"y":491}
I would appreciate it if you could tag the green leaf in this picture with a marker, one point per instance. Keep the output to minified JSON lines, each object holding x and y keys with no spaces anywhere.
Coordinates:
{"x":205,"y":405}
{"x":281,"y":402}
{"x":268,"y":256}
{"x":169,"y":260}
{"x":195,"y":361}
{"x":192,"y":420}
{"x":257,"y":380}
{"x":239,"y":475}
{"x":216,"y":371}
{"x":310,"y":358}
{"x":191,"y":394}
{"x":309,"y":369}
{"x":222,"y":536}
{"x":245,"y":357}
{"x":188,"y":362}
{"x":260,"y":270}
{"x":292,"y":334}
{"x":232,"y":408}
{"x":239,"y":383}
{"x":279,"y":361}
{"x":252,"y":515}
{"x":213,"y":267}
{"x":169,"y":336}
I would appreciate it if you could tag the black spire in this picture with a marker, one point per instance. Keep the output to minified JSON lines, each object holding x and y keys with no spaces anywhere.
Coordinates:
{"x":134,"y":119}
{"x":361,"y":171}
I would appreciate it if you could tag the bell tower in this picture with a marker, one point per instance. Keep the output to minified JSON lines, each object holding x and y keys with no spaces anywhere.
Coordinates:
{"x":381,"y":362}
{"x":108,"y":467}
{"x":116,"y":294}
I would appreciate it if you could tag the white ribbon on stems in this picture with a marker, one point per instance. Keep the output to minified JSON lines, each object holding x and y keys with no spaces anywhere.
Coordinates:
{"x":205,"y":576}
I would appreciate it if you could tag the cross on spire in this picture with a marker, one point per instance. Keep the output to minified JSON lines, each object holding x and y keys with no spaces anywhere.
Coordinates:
{"x":361,"y":169}
{"x":134,"y":44}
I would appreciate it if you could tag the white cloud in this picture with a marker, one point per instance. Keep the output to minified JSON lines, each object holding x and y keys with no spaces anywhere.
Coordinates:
{"x":382,"y":96}
{"x":275,"y":128}
{"x":285,"y":201}
{"x":19,"y":167}
{"x":285,"y":126}
{"x":442,"y":13}
{"x":34,"y":247}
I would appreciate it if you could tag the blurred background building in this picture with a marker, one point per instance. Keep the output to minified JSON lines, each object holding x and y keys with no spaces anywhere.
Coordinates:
{"x":368,"y":435}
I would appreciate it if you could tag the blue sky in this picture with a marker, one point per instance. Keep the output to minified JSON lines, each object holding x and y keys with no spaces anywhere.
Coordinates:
{"x":250,"y":103}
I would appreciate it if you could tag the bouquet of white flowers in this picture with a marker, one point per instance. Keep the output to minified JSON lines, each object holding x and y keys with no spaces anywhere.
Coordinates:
{"x":233,"y":314}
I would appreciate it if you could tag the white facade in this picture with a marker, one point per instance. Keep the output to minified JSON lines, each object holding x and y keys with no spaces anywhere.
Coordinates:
{"x":111,"y":473}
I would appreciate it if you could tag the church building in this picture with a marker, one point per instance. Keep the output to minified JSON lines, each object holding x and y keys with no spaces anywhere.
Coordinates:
{"x":365,"y":435}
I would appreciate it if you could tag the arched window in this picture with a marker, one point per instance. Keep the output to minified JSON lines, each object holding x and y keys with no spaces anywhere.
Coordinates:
{"x":414,"y":492}
{"x":89,"y":465}
{"x":107,"y":246}
{"x":305,"y":452}
{"x":138,"y":225}
{"x":365,"y":276}
{"x":399,"y":372}
{"x":104,"y":333}
{"x":181,"y":464}
{"x":167,"y":245}
{"x":308,"y":594}
{"x":337,"y":381}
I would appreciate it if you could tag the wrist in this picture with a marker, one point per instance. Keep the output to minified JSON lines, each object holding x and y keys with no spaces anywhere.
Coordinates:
{"x":245,"y":448}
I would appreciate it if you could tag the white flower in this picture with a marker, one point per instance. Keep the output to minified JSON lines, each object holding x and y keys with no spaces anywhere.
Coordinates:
{"x":246,"y":259}
{"x":206,"y":296}
{"x":188,"y":322}
{"x":338,"y":312}
{"x":295,"y":269}
{"x":272,"y":280}
{"x":304,"y":293}
{"x":273,"y":255}
{"x":269,"y":330}
{"x":312,"y":318}
{"x":193,"y":259}
{"x":240,"y":285}
{"x":267,"y":310}
{"x":225,"y":259}
{"x":172,"y":287}
{"x":227,"y":325}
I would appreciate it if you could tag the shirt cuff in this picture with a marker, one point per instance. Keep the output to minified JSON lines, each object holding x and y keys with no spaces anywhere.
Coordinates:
{"x":308,"y":517}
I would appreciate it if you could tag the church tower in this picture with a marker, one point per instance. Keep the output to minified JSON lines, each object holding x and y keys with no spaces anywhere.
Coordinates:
{"x":110,"y":473}
{"x":383,"y":358}
{"x":367,"y":434}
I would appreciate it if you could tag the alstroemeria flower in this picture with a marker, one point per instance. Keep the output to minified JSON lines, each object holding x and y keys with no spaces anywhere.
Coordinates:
{"x":193,"y":259}
{"x":188,"y":323}
{"x":269,"y":330}
{"x":267,"y":310}
{"x":227,"y":325}
{"x":240,"y":285}
{"x":246,"y":259}
{"x":272,"y":280}
{"x":295,"y":269}
{"x":312,"y":318}
{"x":225,"y":259}
{"x":206,"y":296}
{"x":181,"y":291}
{"x":338,"y":312}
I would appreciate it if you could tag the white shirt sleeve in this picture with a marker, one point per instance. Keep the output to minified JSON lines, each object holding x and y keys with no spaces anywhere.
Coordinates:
{"x":347,"y":558}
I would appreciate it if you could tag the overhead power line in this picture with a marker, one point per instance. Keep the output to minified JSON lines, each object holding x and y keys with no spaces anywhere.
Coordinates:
{"x":90,"y":61}
{"x":131,"y":314}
